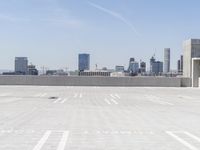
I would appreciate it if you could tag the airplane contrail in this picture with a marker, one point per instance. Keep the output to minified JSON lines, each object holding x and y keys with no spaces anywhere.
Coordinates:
{"x":116,"y":15}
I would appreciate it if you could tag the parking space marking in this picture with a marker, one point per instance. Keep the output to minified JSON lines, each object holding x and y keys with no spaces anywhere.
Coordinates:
{"x":42,"y":141}
{"x":107,"y":101}
{"x":63,"y":101}
{"x":114,"y":101}
{"x":192,"y":136}
{"x":182,"y":141}
{"x":116,"y":95}
{"x":60,"y":100}
{"x":56,"y":101}
{"x":63,"y":141}
{"x":111,"y":95}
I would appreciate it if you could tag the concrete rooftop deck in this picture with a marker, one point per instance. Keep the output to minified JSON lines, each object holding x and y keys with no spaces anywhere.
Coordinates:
{"x":99,"y":118}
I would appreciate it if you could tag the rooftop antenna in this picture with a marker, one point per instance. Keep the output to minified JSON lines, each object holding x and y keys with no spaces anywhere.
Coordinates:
{"x":154,"y":53}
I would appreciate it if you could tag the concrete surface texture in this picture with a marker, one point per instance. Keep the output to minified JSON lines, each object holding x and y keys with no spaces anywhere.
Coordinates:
{"x":94,"y":81}
{"x":99,"y":118}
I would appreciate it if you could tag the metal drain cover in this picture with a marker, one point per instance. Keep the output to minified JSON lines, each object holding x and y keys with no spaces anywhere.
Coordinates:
{"x":53,"y":97}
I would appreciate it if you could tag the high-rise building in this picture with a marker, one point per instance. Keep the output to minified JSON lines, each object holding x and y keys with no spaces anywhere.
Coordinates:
{"x":191,"y":50}
{"x":133,"y":68}
{"x":83,"y":62}
{"x":166,"y":60}
{"x":180,"y":65}
{"x":156,"y":67}
{"x":21,"y":65}
{"x":142,"y":67}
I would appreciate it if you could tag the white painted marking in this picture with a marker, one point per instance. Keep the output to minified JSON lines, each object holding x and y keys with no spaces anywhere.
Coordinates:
{"x":112,"y":96}
{"x":63,"y":101}
{"x":63,"y":141}
{"x":80,"y":95}
{"x":181,"y":140}
{"x":192,"y":136}
{"x":56,"y":101}
{"x":117,"y":96}
{"x":107,"y":101}
{"x":114,"y":101}
{"x":42,"y":141}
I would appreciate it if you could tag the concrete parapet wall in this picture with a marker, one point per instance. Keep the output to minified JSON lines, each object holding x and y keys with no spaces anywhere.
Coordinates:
{"x":186,"y":82}
{"x":94,"y":81}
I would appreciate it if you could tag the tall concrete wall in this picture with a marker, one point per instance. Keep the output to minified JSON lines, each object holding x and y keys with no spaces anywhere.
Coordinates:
{"x":191,"y":50}
{"x":91,"y":81}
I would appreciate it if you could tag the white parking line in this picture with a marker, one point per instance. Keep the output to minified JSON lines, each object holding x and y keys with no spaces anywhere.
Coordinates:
{"x":107,"y":101}
{"x":112,"y":96}
{"x":181,"y":141}
{"x":63,"y":141}
{"x":63,"y":101}
{"x":80,"y":95}
{"x":56,"y":101}
{"x":42,"y":141}
{"x":192,"y":136}
{"x":117,"y":96}
{"x":114,"y":101}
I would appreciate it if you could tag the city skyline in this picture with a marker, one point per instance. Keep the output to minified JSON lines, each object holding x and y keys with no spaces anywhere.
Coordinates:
{"x":53,"y":32}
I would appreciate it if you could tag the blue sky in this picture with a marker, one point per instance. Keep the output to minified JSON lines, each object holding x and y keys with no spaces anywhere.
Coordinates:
{"x":52,"y":32}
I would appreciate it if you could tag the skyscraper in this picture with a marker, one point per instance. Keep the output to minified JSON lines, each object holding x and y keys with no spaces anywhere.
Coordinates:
{"x":21,"y":65}
{"x":156,"y":67}
{"x":83,"y":62}
{"x":166,"y":60}
{"x":133,"y":68}
{"x":180,"y":65}
{"x":142,"y":67}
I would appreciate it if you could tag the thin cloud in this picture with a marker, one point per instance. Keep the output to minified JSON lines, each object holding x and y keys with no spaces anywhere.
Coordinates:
{"x":12,"y":18}
{"x":71,"y":23}
{"x":116,"y":15}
